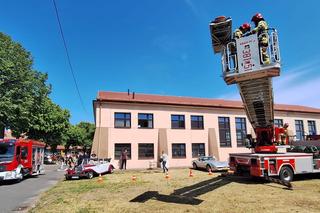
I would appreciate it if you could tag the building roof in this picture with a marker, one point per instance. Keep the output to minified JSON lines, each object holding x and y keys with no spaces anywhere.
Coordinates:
{"x":190,"y":101}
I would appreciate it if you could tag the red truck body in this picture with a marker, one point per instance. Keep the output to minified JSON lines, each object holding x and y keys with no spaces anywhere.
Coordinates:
{"x":285,"y":165}
{"x":20,"y":157}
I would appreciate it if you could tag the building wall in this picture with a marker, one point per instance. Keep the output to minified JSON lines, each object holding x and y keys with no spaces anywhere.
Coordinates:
{"x":162,"y":120}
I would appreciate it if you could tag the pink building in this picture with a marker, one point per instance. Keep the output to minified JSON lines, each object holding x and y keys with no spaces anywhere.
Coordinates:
{"x":183,"y":127}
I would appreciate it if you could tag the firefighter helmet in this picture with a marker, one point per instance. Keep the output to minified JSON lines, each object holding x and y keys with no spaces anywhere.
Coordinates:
{"x":246,"y":27}
{"x":257,"y":17}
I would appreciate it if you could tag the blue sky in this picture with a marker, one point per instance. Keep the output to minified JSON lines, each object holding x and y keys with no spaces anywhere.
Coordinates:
{"x":158,"y":47}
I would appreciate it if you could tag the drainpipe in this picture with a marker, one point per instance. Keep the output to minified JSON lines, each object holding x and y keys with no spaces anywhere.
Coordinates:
{"x":99,"y":130}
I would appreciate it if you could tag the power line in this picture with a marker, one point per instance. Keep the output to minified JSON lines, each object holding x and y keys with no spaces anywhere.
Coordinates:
{"x":68,"y":57}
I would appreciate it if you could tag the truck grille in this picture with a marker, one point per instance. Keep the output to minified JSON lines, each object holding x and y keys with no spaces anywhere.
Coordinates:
{"x":2,"y":168}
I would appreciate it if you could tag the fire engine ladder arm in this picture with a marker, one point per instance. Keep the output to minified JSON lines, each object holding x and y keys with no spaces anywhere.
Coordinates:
{"x":257,"y":97}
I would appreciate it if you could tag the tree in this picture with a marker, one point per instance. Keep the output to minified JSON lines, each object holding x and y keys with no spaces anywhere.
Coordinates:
{"x":25,"y":105}
{"x":89,"y":130}
{"x":49,"y":123}
{"x":80,"y":135}
{"x":21,"y":87}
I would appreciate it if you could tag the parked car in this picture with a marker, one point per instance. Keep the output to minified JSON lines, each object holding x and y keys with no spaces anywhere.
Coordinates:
{"x":89,"y":169}
{"x":48,"y":159}
{"x":210,"y":163}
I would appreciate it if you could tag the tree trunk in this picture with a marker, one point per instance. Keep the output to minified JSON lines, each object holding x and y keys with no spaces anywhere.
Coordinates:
{"x":2,"y":127}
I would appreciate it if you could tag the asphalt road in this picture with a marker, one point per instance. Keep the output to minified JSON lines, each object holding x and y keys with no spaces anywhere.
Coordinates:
{"x":18,"y":197}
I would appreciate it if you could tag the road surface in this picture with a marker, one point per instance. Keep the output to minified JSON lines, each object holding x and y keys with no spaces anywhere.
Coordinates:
{"x":18,"y":197}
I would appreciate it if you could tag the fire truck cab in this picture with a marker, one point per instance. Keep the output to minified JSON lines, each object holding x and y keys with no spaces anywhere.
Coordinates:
{"x":20,"y":158}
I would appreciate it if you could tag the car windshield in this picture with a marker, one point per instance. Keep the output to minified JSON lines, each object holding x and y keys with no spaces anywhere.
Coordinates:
{"x":207,"y":158}
{"x":6,"y":151}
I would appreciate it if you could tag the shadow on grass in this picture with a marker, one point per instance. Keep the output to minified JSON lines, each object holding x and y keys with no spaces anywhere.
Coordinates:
{"x":187,"y":195}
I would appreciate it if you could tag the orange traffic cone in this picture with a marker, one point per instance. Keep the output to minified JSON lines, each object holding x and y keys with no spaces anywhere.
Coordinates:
{"x":210,"y":173}
{"x":167,"y":176}
{"x":190,"y":173}
{"x":133,"y":178}
{"x":100,"y":179}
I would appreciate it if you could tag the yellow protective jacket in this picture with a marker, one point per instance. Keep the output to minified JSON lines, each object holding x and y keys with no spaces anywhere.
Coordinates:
{"x":237,"y":34}
{"x":260,"y":28}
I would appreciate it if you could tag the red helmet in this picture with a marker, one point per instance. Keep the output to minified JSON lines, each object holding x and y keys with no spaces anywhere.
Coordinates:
{"x":246,"y":26}
{"x":257,"y":17}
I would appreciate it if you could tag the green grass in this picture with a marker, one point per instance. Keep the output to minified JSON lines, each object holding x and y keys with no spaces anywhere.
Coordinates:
{"x":230,"y":194}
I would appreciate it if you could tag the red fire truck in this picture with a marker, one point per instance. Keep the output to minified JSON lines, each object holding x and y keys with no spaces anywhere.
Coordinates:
{"x":244,"y":63}
{"x":20,"y":158}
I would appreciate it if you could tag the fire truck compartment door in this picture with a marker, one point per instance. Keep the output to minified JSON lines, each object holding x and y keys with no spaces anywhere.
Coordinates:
{"x":303,"y":165}
{"x":248,"y":53}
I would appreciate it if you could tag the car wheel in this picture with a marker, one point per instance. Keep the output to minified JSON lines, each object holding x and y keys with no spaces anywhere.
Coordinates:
{"x":194,"y":165}
{"x":90,"y":175}
{"x":111,"y":170}
{"x":286,"y":174}
{"x":208,"y":167}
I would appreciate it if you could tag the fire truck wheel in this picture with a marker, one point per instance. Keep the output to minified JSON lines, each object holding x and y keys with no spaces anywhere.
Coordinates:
{"x":286,"y":174}
{"x":89,"y":175}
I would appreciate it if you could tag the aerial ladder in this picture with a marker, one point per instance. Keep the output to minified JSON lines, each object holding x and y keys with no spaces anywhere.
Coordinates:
{"x":243,"y":64}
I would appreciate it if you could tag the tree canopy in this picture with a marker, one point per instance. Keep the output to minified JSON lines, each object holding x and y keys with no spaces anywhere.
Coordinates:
{"x":80,"y":134}
{"x":25,"y":105}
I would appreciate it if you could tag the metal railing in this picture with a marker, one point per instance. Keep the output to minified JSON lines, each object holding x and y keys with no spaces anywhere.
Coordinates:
{"x":229,"y":58}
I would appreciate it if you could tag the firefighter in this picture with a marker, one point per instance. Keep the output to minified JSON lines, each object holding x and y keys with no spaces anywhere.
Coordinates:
{"x":241,"y":31}
{"x":284,"y":137}
{"x":261,"y":27}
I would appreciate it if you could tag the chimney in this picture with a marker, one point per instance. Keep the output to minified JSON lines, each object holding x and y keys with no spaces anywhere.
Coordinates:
{"x":133,"y":95}
{"x":128,"y":92}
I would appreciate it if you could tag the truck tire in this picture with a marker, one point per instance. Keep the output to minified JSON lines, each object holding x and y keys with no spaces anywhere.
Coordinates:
{"x":286,"y":174}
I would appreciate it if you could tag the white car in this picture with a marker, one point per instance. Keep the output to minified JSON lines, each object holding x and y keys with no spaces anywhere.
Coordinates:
{"x":210,"y":164}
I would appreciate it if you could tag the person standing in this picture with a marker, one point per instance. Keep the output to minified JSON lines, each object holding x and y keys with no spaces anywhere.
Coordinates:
{"x":164,"y":162}
{"x":261,"y":27}
{"x":124,"y":157}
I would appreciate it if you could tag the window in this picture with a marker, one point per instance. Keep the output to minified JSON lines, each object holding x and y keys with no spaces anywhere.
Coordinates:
{"x":196,"y":122}
{"x":224,"y":131}
{"x":146,"y":150}
{"x":278,"y":122}
{"x":24,"y":153}
{"x":177,"y":122}
{"x":119,"y":148}
{"x":299,"y":130}
{"x":241,"y":131}
{"x":145,"y":120}
{"x":178,"y":150}
{"x":122,"y":120}
{"x":198,"y":149}
{"x":312,"y":127}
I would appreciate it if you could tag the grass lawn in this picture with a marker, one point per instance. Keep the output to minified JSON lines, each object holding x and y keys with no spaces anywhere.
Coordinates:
{"x":152,"y":192}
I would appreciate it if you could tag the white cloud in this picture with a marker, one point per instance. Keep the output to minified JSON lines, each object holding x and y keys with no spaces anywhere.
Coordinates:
{"x":193,"y":8}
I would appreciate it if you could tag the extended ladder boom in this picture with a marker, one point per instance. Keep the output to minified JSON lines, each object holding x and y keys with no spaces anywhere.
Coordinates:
{"x":242,"y":64}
